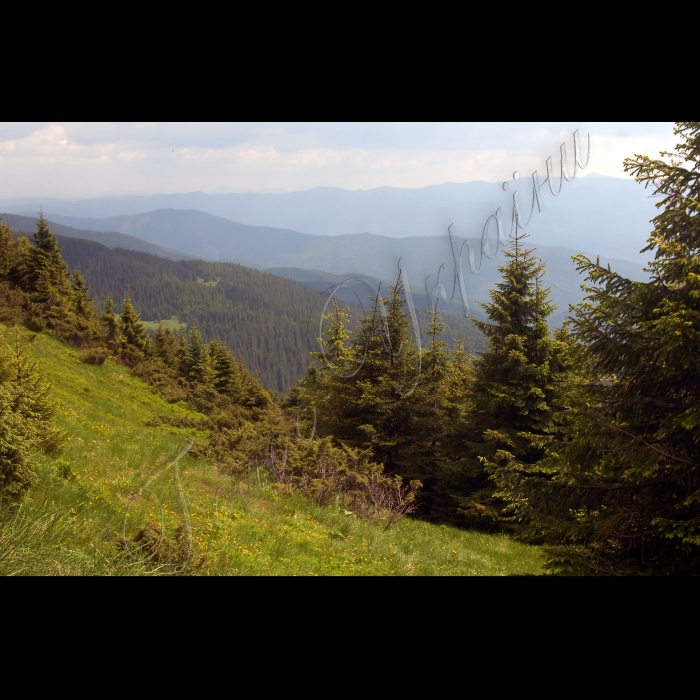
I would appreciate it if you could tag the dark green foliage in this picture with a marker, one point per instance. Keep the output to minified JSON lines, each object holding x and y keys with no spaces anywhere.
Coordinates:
{"x":47,"y":272}
{"x":26,"y":414}
{"x":227,"y":374}
{"x":364,"y":407}
{"x":8,"y":255}
{"x":624,"y":496}
{"x":11,"y":297}
{"x":195,"y":365}
{"x":111,"y":327}
{"x":400,"y":405}
{"x":207,"y":376}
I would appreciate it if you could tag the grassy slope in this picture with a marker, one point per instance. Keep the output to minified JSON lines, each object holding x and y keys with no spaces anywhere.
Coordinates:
{"x":104,"y":411}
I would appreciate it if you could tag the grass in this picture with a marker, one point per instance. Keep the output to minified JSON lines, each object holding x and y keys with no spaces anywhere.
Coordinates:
{"x":173,"y":323}
{"x":211,"y":283}
{"x":71,"y":520}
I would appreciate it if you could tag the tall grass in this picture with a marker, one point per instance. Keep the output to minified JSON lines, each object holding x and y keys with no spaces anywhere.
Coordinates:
{"x":47,"y":540}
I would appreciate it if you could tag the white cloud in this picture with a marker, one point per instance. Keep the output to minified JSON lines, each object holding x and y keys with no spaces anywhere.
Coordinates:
{"x":89,"y":159}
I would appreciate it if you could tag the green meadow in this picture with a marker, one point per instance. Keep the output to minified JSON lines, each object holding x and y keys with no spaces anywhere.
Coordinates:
{"x":174,"y":324}
{"x":114,"y":478}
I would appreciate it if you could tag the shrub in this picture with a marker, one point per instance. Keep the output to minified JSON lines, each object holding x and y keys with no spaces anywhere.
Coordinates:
{"x":94,"y":356}
{"x":345,"y":477}
{"x":331,"y":475}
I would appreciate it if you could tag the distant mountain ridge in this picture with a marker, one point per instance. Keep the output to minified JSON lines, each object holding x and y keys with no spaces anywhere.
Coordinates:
{"x":111,"y":239}
{"x":217,"y":239}
{"x":609,"y":216}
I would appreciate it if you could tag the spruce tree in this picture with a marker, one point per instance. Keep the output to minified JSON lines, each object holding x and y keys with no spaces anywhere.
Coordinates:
{"x":164,"y":345}
{"x":360,"y":388}
{"x":110,"y":324}
{"x":8,"y":253}
{"x":133,"y":334}
{"x":196,"y":366}
{"x":48,"y":273}
{"x":82,"y":302}
{"x":326,"y":385}
{"x":623,"y":493}
{"x":516,"y":385}
{"x":26,"y":420}
{"x":369,"y":394}
{"x":226,"y":374}
{"x":458,"y":472}
{"x":11,"y":298}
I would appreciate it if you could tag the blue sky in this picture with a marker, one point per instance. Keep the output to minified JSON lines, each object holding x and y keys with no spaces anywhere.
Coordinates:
{"x":69,"y":159}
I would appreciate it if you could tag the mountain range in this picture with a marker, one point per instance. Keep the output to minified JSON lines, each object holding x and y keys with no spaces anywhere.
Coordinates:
{"x":604,"y":215}
{"x":321,"y":261}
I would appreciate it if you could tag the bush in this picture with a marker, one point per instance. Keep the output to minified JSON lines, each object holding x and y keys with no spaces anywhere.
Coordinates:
{"x":346,"y":478}
{"x":94,"y":356}
{"x":339,"y":476}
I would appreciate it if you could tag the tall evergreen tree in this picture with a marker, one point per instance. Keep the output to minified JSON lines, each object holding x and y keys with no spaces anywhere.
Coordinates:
{"x":226,"y":374}
{"x":110,"y":324}
{"x":623,"y":493}
{"x":8,"y":255}
{"x":12,"y":255}
{"x":164,"y":345}
{"x":360,"y":389}
{"x":132,"y":331}
{"x":82,"y":301}
{"x":195,"y":365}
{"x":369,"y":394}
{"x":48,"y":273}
{"x":517,"y":382}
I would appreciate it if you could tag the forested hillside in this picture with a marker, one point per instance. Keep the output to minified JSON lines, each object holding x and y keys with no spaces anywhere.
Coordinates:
{"x":264,"y":319}
{"x":85,"y":447}
{"x":424,"y":257}
{"x":260,"y":317}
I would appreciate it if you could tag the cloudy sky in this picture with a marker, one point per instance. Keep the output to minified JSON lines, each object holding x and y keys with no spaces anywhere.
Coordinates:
{"x":85,"y":159}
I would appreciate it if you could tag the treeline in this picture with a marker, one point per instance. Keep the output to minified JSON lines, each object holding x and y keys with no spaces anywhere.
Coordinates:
{"x":586,"y":441}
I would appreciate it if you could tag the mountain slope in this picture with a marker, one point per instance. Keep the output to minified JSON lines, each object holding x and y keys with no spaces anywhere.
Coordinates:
{"x":212,"y":237}
{"x":262,"y":318}
{"x":269,"y":323}
{"x":71,"y":520}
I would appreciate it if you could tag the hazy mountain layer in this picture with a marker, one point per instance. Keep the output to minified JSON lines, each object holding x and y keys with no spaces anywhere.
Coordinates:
{"x":608,"y":216}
